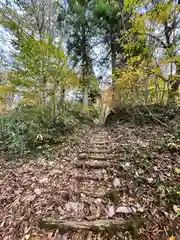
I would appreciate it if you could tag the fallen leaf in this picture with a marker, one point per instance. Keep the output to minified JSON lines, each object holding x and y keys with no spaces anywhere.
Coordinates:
{"x":116,"y":182}
{"x":51,"y":163}
{"x":3,"y":197}
{"x":43,"y":180}
{"x":172,"y":238}
{"x":74,"y":206}
{"x":142,"y":144}
{"x":98,"y":201}
{"x":83,"y":195}
{"x":139,"y":208}
{"x":50,"y":235}
{"x":55,"y":172}
{"x":29,"y":198}
{"x":166,"y":214}
{"x":37,"y":191}
{"x":8,"y":189}
{"x":155,"y":168}
{"x":177,"y":170}
{"x":162,"y":178}
{"x":150,"y":180}
{"x":127,"y":164}
{"x":111,"y":211}
{"x":2,"y":224}
{"x":176,"y":209}
{"x":27,"y":236}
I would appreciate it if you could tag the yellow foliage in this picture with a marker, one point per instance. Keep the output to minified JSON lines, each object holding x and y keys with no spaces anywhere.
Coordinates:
{"x":172,"y":238}
{"x":131,"y":76}
{"x":161,"y":13}
{"x":139,"y":24}
{"x":6,"y":88}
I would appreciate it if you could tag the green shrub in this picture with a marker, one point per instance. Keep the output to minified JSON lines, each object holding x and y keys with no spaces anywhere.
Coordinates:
{"x":31,"y":129}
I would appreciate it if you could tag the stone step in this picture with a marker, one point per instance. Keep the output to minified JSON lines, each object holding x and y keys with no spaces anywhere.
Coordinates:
{"x":100,"y":136}
{"x":95,"y":134}
{"x":113,"y":195}
{"x":98,"y":144}
{"x":83,"y":155}
{"x":100,"y":133}
{"x":98,"y":157}
{"x":100,"y":140}
{"x":100,"y":147}
{"x":99,"y":151}
{"x":103,"y":158}
{"x":103,"y":225}
{"x":96,"y":151}
{"x":94,"y":164}
{"x":91,"y":177}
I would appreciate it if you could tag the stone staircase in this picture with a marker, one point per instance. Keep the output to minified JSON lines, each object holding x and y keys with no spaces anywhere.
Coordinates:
{"x":95,"y":188}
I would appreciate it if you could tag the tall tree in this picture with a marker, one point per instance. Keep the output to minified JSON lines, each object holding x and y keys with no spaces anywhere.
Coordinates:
{"x":112,"y":21}
{"x":166,"y":15}
{"x":78,"y":35}
{"x":30,"y":20}
{"x":153,"y":43}
{"x":36,"y":16}
{"x":40,"y":66}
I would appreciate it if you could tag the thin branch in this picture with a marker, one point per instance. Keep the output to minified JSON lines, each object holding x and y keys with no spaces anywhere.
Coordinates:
{"x":10,"y":19}
{"x":150,"y":113}
{"x":158,"y":40}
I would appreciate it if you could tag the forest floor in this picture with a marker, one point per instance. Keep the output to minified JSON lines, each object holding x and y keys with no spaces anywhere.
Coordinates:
{"x":124,"y":173}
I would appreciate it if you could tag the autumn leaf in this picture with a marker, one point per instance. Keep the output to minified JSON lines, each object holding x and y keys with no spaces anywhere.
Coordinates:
{"x":177,"y":170}
{"x":37,"y":191}
{"x":116,"y":182}
{"x":111,"y":211}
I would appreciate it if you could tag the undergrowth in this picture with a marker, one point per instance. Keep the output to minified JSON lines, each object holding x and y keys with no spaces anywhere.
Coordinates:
{"x":151,"y":114}
{"x":29,"y":130}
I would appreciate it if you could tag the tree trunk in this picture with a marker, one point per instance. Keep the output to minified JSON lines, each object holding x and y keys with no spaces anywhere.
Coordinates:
{"x":85,"y":83}
{"x":113,"y":54}
{"x":113,"y":65}
{"x":54,"y":101}
{"x":85,"y":96}
{"x":174,"y":88}
{"x":62,"y":94}
{"x":44,"y":90}
{"x":84,"y":70}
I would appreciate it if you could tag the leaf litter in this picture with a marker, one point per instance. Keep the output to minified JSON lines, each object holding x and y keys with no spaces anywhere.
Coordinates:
{"x":146,"y":183}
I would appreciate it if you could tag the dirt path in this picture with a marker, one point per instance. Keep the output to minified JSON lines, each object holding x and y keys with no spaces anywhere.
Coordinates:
{"x":102,"y":190}
{"x":95,"y":191}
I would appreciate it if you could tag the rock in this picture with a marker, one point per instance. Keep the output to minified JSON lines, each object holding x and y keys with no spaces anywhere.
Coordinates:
{"x":124,"y":209}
